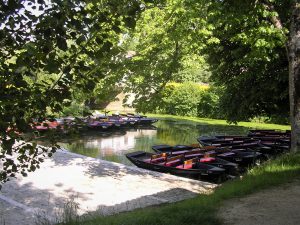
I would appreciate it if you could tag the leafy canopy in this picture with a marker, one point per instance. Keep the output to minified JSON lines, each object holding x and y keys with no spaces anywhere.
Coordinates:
{"x":249,"y":59}
{"x":50,"y":49}
{"x":244,"y":44}
{"x":167,"y":44}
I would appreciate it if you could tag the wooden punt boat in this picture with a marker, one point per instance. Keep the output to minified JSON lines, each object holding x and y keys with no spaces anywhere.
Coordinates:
{"x":278,"y":146}
{"x":269,"y":133}
{"x":211,"y":159}
{"x":177,"y":165}
{"x":139,"y":119}
{"x":237,"y":144}
{"x":227,"y":141}
{"x":47,"y":125}
{"x":240,"y":156}
{"x":169,"y":148}
{"x":97,"y":125}
{"x":146,"y":121}
{"x":267,"y":145}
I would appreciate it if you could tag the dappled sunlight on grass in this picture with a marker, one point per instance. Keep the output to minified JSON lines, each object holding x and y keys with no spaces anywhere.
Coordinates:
{"x":269,"y":174}
{"x":223,"y":122}
{"x":288,"y":162}
{"x":281,"y":168}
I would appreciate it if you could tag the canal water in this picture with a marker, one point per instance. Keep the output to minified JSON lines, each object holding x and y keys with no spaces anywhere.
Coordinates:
{"x":113,"y":145}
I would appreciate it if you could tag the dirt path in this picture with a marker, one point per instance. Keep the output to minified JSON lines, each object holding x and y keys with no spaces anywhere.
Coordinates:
{"x":276,"y":206}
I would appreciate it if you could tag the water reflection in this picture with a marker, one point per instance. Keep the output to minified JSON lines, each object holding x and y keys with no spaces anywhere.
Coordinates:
{"x":114,"y":145}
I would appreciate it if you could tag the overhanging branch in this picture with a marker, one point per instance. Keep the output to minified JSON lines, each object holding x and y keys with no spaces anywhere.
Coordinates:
{"x":276,"y":21}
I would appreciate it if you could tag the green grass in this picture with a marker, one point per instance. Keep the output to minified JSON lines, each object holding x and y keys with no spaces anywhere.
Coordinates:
{"x":222,"y":122}
{"x":202,"y":210}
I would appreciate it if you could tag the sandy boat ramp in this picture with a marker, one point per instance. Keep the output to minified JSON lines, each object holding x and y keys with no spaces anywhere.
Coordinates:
{"x":92,"y":185}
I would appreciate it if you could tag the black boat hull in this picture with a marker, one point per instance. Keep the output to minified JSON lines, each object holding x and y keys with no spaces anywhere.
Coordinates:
{"x":169,"y":148}
{"x":205,"y":172}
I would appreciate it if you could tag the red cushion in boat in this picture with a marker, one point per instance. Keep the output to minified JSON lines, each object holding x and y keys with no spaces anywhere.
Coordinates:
{"x":186,"y":167}
{"x":208,"y":159}
{"x":41,"y":128}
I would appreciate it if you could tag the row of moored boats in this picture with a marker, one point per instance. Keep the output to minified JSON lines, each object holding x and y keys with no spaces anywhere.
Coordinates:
{"x":215,"y":158}
{"x":100,"y":122}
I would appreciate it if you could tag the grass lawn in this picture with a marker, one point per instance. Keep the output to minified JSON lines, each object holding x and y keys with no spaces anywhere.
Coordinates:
{"x":203,"y":209}
{"x":254,"y":125}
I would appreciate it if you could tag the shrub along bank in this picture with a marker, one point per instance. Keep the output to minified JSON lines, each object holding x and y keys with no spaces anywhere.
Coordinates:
{"x":197,"y":100}
{"x":186,"y":99}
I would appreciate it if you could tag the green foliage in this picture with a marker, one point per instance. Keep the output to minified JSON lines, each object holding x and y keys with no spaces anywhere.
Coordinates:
{"x":194,"y":69}
{"x":182,"y":100}
{"x":209,"y":104}
{"x":106,"y":91}
{"x":249,"y":59}
{"x":242,"y":44}
{"x":164,"y":48}
{"x":66,"y":48}
{"x":75,"y":109}
{"x":186,"y":99}
{"x":46,"y":56}
{"x":279,"y":119}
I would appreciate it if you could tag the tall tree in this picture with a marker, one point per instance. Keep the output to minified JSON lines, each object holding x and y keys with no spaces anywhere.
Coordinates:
{"x":293,"y":47}
{"x":249,"y":59}
{"x":252,"y":47}
{"x":165,"y":40}
{"x":257,"y":48}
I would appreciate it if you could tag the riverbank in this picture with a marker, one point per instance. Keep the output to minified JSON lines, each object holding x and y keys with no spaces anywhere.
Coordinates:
{"x":203,"y":209}
{"x":252,"y":125}
{"x":69,"y":185}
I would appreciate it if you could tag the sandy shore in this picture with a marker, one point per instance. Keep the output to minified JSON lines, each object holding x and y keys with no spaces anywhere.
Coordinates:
{"x":94,"y":185}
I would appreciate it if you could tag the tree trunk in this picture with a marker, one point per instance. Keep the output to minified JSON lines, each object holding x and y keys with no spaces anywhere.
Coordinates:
{"x":294,"y":75}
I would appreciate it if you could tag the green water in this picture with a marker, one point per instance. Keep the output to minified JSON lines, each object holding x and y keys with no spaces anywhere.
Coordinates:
{"x":113,"y":145}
